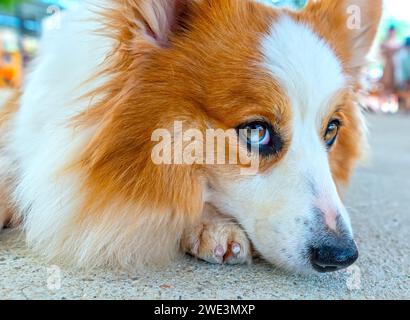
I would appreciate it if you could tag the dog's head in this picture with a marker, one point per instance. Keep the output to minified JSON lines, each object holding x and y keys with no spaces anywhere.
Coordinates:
{"x":239,"y":64}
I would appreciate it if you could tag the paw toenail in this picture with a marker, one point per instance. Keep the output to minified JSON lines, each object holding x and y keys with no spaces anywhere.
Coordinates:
{"x":219,"y":251}
{"x":236,"y":248}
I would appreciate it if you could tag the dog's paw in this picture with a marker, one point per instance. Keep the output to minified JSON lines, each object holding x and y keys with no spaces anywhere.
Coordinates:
{"x":220,"y":242}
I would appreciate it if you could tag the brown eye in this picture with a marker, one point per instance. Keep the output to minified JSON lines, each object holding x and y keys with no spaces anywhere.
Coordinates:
{"x":332,"y":132}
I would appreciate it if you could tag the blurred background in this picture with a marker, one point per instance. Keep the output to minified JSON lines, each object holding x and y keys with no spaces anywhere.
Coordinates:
{"x":387,"y":78}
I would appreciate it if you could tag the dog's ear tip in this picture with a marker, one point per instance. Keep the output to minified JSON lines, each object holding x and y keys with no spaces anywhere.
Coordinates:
{"x":355,"y":21}
{"x":161,"y":17}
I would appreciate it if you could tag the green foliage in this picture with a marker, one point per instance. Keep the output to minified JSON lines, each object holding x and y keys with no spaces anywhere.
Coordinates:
{"x":9,"y":5}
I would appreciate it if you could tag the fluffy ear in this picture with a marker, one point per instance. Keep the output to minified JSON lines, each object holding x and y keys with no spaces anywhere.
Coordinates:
{"x":349,"y":25}
{"x":159,"y":17}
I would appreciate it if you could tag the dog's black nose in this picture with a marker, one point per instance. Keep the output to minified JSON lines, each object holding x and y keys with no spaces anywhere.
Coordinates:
{"x":334,"y":255}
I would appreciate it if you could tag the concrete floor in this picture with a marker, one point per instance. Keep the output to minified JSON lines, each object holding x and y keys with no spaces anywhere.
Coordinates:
{"x":380,"y":198}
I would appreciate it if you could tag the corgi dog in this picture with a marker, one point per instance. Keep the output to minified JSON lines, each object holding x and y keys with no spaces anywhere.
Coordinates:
{"x":76,"y":167}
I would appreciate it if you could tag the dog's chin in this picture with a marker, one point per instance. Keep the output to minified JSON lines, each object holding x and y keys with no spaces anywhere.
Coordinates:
{"x":299,"y":264}
{"x":303,"y":269}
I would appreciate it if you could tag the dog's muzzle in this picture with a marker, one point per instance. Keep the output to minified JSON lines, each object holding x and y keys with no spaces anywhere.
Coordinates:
{"x":332,"y":247}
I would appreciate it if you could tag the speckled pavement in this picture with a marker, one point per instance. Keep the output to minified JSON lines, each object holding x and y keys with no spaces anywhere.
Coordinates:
{"x":379,"y":200}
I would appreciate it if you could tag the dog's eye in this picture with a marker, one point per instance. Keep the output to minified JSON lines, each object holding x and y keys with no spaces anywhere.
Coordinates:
{"x":261,"y":135}
{"x":332,"y":132}
{"x":256,"y":134}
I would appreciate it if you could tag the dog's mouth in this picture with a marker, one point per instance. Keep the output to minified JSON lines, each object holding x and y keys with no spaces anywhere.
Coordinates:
{"x":324,"y":269}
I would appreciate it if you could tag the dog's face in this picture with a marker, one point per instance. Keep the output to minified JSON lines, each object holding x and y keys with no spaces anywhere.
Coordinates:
{"x":238,"y":64}
{"x":292,"y":77}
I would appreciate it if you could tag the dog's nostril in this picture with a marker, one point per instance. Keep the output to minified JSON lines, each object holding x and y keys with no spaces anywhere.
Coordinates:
{"x":328,"y":258}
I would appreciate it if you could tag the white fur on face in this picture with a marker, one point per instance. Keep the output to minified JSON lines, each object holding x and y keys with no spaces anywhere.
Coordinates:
{"x":281,"y":210}
{"x":305,"y":66}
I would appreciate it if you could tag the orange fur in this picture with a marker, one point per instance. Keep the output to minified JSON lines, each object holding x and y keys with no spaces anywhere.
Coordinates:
{"x":154,"y":83}
{"x":140,"y":99}
{"x":330,"y":20}
{"x":196,"y":62}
